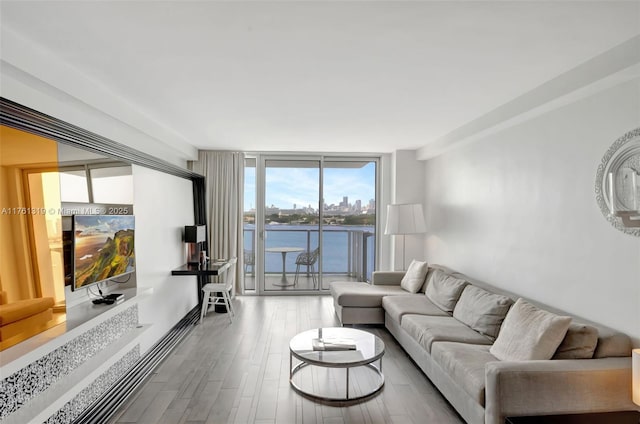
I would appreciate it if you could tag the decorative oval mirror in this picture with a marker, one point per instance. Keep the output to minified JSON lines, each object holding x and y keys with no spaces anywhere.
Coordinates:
{"x":618,"y":183}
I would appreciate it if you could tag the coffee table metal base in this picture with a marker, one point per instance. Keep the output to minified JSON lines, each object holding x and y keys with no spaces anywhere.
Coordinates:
{"x":346,"y":398}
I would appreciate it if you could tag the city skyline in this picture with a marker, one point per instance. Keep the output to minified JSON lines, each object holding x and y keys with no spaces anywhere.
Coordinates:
{"x":286,"y":187}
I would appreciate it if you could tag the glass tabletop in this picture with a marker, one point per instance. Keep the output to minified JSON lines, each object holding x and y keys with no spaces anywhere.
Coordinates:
{"x":368,"y":347}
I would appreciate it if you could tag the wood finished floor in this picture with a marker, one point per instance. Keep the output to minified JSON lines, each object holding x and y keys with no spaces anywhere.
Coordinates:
{"x":239,"y":373}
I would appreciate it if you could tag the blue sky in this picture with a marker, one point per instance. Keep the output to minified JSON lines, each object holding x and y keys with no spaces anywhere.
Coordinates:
{"x":299,"y":186}
{"x":108,"y":224}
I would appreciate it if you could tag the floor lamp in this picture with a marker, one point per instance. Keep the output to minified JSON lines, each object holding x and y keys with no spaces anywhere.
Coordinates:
{"x":635,"y":378}
{"x":404,"y":219}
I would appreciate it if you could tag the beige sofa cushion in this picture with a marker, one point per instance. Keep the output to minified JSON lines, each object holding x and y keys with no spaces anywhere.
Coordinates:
{"x":362,"y":295}
{"x":397,"y":306}
{"x":529,"y":333}
{"x":429,"y":329}
{"x":444,"y":290}
{"x":481,"y":310}
{"x":612,"y":344}
{"x":579,"y":342}
{"x":430,"y":271}
{"x":465,"y":364}
{"x":413,"y":279}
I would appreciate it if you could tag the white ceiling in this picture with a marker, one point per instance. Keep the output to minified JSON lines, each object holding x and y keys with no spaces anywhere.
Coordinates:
{"x":318,"y":76}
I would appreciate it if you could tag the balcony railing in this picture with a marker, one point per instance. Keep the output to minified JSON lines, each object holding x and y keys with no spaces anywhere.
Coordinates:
{"x":350,"y":252}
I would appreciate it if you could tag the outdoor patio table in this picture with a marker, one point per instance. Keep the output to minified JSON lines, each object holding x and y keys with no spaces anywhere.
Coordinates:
{"x":284,"y":250}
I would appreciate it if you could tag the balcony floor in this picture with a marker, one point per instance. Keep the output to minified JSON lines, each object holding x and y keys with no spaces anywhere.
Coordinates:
{"x":274,"y":282}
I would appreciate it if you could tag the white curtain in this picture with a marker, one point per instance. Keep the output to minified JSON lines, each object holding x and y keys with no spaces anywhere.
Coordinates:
{"x":224,"y":187}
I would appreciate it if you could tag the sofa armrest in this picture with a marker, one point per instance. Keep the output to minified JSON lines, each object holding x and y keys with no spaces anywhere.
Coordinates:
{"x":556,"y":387}
{"x":387,"y":278}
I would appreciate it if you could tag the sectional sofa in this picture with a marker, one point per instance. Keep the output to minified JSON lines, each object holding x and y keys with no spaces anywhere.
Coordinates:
{"x":489,"y":352}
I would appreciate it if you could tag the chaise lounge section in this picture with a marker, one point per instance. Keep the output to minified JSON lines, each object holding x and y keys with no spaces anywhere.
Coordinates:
{"x":491,"y":353}
{"x":361,"y":303}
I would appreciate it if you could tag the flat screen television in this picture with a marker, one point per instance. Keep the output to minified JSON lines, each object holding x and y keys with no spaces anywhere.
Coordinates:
{"x":103,"y":248}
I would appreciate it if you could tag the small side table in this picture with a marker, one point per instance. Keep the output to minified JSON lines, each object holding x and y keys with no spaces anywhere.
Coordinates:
{"x":623,"y":417}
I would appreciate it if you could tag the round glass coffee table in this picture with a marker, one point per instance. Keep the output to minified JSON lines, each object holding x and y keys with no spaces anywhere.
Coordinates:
{"x":353,"y":348}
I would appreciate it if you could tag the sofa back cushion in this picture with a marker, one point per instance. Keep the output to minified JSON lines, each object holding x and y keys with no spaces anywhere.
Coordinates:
{"x":444,"y":290}
{"x":481,"y":310}
{"x":529,"y":333}
{"x":579,"y":342}
{"x":413,"y":279}
{"x":612,"y":344}
{"x":430,"y":271}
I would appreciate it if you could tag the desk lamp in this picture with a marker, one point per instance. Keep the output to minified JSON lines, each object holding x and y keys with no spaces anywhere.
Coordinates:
{"x":194,"y":236}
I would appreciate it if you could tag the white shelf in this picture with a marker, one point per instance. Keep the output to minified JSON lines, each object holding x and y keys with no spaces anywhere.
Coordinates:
{"x":80,"y":318}
{"x":39,"y":409}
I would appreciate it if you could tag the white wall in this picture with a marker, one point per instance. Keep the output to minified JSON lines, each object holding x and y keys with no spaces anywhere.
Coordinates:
{"x":517,"y":210}
{"x":163,"y":206}
{"x":36,"y":78}
{"x":406,"y":183}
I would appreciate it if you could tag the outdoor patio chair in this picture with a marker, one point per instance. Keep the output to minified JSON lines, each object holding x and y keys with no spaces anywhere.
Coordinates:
{"x":309,"y":260}
{"x":249,"y":261}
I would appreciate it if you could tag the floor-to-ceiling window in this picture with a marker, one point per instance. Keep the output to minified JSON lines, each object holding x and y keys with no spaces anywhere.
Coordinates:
{"x":308,"y":220}
{"x":249,"y":216}
{"x":349,"y":242}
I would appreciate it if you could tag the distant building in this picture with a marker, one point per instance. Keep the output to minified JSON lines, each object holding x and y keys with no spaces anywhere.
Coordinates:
{"x":271,"y":211}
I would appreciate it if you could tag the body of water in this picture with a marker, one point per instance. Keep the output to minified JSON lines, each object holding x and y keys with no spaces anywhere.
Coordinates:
{"x":335,"y":250}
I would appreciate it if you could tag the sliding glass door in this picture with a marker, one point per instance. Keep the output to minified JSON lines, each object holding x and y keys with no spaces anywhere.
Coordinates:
{"x":291,"y":224}
{"x":314,"y":222}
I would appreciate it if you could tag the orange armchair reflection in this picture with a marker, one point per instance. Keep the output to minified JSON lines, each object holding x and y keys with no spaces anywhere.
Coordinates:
{"x":24,"y":317}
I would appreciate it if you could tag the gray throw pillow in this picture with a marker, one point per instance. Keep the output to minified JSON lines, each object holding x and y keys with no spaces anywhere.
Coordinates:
{"x":529,"y":333}
{"x":444,"y":290}
{"x":414,"y":277}
{"x":430,"y":271}
{"x":612,"y":344}
{"x":481,"y":310}
{"x":579,"y":343}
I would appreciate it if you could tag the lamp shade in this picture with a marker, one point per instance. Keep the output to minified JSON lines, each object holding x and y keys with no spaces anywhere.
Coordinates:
{"x":636,"y":376}
{"x":405,"y":219}
{"x":195,"y":233}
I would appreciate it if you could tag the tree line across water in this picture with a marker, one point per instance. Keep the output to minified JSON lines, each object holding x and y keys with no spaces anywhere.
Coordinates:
{"x":301,"y":219}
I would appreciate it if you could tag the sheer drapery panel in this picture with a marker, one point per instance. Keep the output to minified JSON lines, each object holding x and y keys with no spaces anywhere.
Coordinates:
{"x":224,"y":186}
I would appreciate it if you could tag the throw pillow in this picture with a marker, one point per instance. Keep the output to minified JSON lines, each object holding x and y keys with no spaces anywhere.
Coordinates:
{"x":579,"y":343}
{"x":481,"y":310}
{"x":430,"y":271}
{"x":414,"y":277}
{"x":529,"y":333}
{"x":444,"y":290}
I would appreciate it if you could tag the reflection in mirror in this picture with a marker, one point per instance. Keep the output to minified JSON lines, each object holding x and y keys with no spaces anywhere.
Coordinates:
{"x":618,"y":183}
{"x":42,"y":183}
{"x":73,"y":185}
{"x":30,"y":267}
{"x":112,"y":184}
